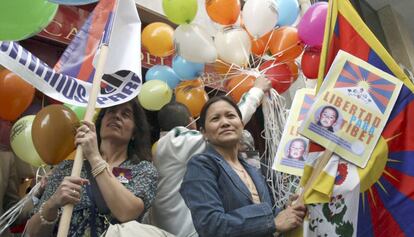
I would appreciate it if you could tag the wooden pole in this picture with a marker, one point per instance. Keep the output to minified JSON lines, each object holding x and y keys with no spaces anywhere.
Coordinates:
{"x":78,"y":163}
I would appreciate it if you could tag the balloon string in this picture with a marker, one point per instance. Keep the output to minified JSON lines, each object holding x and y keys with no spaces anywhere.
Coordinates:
{"x":267,"y":44}
{"x":275,"y":113}
{"x":11,"y":215}
{"x":43,"y":100}
{"x":195,"y":120}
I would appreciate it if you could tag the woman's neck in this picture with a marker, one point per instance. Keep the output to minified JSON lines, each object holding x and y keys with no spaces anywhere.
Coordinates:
{"x":113,"y":153}
{"x":229,"y":153}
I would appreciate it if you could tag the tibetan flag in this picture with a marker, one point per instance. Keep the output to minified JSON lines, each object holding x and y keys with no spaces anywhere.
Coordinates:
{"x":386,"y":204}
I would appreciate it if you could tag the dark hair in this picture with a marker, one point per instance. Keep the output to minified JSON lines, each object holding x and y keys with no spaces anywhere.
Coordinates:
{"x":298,"y":140}
{"x":213,"y":100}
{"x":172,"y":115}
{"x":139,"y":148}
{"x":332,"y":108}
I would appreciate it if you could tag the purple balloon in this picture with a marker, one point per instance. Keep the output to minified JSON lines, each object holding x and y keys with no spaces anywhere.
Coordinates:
{"x":312,"y":25}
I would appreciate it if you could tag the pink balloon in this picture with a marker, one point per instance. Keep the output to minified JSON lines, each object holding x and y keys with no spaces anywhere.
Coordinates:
{"x":312,"y":25}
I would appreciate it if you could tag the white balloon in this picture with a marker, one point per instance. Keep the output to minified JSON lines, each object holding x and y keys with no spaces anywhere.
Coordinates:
{"x":233,"y":46}
{"x":260,"y":16}
{"x":194,"y":44}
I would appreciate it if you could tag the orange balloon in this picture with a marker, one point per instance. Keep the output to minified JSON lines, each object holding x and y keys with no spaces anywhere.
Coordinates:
{"x":158,"y":39}
{"x":260,"y":45}
{"x":240,"y":84}
{"x":53,"y":133}
{"x":223,"y":68}
{"x":285,"y":44}
{"x":225,"y":12}
{"x":191,"y":94}
{"x":16,"y":95}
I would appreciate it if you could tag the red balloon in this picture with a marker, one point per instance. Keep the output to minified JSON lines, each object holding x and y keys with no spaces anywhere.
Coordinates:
{"x":293,"y":67}
{"x":310,"y":62}
{"x":280,"y":75}
{"x":15,"y":95}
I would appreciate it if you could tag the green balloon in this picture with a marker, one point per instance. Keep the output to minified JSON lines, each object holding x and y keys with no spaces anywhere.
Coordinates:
{"x":21,"y":19}
{"x":79,"y":111}
{"x":180,"y":11}
{"x":154,"y":95}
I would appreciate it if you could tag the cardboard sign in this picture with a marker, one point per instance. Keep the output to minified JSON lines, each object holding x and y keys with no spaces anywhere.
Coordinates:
{"x":293,"y":148}
{"x":351,"y":108}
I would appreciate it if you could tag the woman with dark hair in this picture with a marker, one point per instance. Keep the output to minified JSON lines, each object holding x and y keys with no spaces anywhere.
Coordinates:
{"x":117,"y":184}
{"x":226,"y":196}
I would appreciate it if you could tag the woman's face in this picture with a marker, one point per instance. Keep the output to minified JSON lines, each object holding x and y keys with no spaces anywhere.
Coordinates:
{"x":223,"y":126}
{"x":118,"y":123}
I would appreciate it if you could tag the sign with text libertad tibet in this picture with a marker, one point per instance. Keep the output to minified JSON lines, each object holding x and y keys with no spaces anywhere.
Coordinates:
{"x":351,"y":108}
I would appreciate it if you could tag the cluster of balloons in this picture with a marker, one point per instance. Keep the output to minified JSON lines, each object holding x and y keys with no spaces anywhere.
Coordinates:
{"x":260,"y":27}
{"x":234,"y":42}
{"x":161,"y":80}
{"x":33,"y":137}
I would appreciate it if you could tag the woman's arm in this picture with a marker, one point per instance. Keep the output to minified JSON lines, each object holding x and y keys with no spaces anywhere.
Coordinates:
{"x":56,"y":195}
{"x":251,"y":100}
{"x":202,"y":195}
{"x":126,"y":205}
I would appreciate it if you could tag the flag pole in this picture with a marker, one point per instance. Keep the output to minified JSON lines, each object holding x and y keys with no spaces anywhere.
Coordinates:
{"x":65,"y":219}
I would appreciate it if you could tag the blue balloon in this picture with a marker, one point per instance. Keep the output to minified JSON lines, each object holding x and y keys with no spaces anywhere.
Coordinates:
{"x":185,"y":69}
{"x":163,"y":73}
{"x":288,"y":12}
{"x":73,"y":2}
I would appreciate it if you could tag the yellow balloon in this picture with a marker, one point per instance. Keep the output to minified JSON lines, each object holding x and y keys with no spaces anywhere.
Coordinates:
{"x":158,"y":39}
{"x":154,"y":94}
{"x":22,"y":143}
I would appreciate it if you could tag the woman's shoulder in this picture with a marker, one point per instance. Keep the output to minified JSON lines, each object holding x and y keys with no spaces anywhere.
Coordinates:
{"x":204,"y":159}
